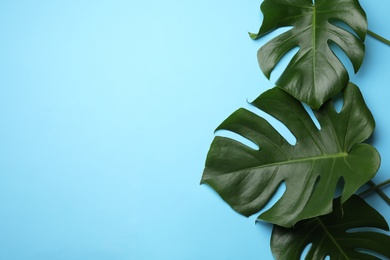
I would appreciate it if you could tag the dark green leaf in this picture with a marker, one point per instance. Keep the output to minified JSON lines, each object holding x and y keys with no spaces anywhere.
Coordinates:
{"x":334,"y":234}
{"x":314,"y":74}
{"x":247,"y":178}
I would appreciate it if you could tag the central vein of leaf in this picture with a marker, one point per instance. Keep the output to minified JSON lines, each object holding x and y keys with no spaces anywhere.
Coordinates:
{"x":322,"y":157}
{"x":314,"y":41}
{"x":331,"y":237}
{"x":302,"y":160}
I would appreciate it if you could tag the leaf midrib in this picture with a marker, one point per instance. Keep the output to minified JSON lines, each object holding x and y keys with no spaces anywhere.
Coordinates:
{"x":293,"y":161}
{"x":327,"y":233}
{"x":314,"y":44}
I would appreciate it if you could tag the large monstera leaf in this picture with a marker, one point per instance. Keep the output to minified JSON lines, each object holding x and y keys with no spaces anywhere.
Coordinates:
{"x":247,"y":178}
{"x":314,"y":74}
{"x":346,"y":233}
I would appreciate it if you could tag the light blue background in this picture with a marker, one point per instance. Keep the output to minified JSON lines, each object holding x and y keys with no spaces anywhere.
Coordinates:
{"x":107,"y":110}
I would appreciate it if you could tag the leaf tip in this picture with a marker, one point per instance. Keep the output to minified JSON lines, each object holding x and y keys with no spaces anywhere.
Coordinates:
{"x":253,"y":36}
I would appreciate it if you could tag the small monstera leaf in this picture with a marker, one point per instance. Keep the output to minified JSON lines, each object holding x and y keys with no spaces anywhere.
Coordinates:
{"x":346,"y":233}
{"x":247,"y":178}
{"x":314,"y":74}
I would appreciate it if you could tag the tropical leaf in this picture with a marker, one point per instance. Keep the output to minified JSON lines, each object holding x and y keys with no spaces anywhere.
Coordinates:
{"x":247,"y":178}
{"x":314,"y":74}
{"x":346,"y":233}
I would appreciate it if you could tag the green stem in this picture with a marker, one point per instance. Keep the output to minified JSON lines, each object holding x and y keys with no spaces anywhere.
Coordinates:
{"x":376,"y":188}
{"x":378,"y":37}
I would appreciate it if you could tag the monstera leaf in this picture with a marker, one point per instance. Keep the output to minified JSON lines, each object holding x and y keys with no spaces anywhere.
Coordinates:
{"x":314,"y":74}
{"x":346,"y":233}
{"x":247,"y":178}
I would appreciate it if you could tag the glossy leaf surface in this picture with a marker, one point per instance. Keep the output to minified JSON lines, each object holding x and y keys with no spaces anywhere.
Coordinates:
{"x":314,"y":74}
{"x":346,"y":233}
{"x":247,"y":178}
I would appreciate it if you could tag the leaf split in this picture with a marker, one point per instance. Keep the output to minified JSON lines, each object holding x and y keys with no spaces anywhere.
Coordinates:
{"x":247,"y":179}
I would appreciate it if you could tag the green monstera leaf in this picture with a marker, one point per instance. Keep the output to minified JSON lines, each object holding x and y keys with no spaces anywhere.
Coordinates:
{"x":346,"y":233}
{"x":314,"y":74}
{"x":247,"y":178}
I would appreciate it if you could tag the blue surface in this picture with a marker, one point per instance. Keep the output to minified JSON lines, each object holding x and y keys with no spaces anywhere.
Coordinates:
{"x":107,"y":110}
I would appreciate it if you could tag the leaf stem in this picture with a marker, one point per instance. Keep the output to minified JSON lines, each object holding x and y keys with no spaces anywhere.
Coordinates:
{"x":376,"y":188}
{"x":378,"y":37}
